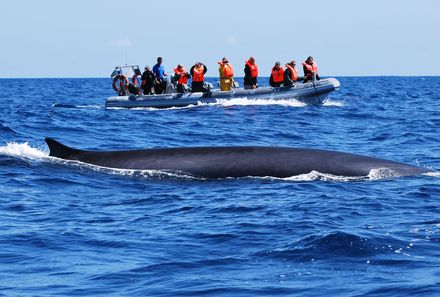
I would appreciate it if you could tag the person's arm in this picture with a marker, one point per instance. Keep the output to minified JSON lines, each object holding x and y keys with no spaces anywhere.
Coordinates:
{"x":287,"y":76}
{"x":247,"y":70}
{"x":204,"y":69}
{"x":191,"y":71}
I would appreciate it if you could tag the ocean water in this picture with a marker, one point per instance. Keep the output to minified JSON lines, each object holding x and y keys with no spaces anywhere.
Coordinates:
{"x":69,"y":229}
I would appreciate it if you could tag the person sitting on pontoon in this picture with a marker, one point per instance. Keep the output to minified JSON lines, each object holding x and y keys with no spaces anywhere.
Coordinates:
{"x":290,"y":74}
{"x":181,"y":76}
{"x":250,"y":74}
{"x":277,"y":76}
{"x":148,"y":81}
{"x":310,"y":69}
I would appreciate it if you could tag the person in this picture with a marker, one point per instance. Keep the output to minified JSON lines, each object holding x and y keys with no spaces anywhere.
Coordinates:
{"x":277,"y":75}
{"x":148,"y":81}
{"x":291,"y":74}
{"x":310,"y":69}
{"x":160,"y":73}
{"x":120,"y":84}
{"x":250,"y":74}
{"x":226,"y":75}
{"x":198,"y":77}
{"x":182,"y":76}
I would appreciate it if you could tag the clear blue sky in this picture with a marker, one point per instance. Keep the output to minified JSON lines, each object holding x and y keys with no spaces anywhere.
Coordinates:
{"x":81,"y":38}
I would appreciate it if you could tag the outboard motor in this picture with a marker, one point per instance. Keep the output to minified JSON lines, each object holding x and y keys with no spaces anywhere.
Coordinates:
{"x":136,"y":70}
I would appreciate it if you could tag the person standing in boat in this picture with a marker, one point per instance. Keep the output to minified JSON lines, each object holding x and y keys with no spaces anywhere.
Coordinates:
{"x":148,"y":81}
{"x":198,"y":77}
{"x":277,"y":76}
{"x":160,"y":73}
{"x":310,"y":69}
{"x":226,"y":75}
{"x":291,"y":74}
{"x":250,"y":74}
{"x":182,"y":76}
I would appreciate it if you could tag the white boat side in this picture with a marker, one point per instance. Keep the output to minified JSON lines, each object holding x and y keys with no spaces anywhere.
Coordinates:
{"x":311,"y":93}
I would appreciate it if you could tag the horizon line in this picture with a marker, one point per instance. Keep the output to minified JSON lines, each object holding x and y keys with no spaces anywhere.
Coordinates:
{"x":326,"y":76}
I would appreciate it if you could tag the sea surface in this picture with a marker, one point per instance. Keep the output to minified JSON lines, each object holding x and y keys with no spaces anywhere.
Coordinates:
{"x":69,"y":229}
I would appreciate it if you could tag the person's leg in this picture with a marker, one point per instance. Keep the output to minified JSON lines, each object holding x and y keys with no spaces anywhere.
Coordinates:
{"x":180,"y":88}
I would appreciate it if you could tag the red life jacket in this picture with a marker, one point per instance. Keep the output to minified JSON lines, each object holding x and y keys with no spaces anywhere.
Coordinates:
{"x":278,"y":74}
{"x":293,"y":72}
{"x":228,"y":70}
{"x":309,"y":68}
{"x":198,"y":75}
{"x":183,"y":79}
{"x":253,"y":68}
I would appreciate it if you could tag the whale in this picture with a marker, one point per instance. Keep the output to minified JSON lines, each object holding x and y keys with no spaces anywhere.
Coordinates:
{"x":236,"y":161}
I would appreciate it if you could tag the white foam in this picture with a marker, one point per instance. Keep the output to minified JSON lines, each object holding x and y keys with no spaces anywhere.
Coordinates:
{"x":382,"y":173}
{"x":23,"y":150}
{"x":245,"y":101}
{"x":330,"y":102}
{"x":433,"y":174}
{"x":315,"y":175}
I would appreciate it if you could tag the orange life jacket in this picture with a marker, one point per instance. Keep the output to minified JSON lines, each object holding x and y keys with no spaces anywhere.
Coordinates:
{"x":198,"y":75}
{"x":226,"y":70}
{"x":183,"y":78}
{"x":253,"y":68}
{"x":309,"y":68}
{"x":278,"y":74}
{"x":293,"y":72}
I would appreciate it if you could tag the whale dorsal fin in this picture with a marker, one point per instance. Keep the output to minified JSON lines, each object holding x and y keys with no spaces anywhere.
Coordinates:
{"x":59,"y":150}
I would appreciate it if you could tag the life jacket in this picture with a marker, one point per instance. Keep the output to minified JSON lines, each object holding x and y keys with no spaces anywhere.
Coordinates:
{"x":293,"y":72}
{"x":278,"y":74}
{"x":309,"y":68}
{"x":253,"y":68}
{"x":226,"y":70}
{"x":198,"y":75}
{"x":134,"y":79}
{"x":183,"y":78}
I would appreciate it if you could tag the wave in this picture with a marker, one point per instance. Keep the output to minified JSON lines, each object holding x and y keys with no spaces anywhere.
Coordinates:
{"x":23,"y":151}
{"x":27,"y":152}
{"x":63,"y":105}
{"x":340,"y":244}
{"x":330,"y":102}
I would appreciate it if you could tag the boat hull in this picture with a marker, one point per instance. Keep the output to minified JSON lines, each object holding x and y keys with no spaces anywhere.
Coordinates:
{"x":311,"y":93}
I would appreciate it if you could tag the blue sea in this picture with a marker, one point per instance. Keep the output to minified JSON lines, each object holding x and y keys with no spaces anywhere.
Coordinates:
{"x":70,"y":229}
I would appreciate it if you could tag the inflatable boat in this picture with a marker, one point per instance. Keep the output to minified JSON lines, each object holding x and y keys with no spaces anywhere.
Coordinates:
{"x":310,"y":93}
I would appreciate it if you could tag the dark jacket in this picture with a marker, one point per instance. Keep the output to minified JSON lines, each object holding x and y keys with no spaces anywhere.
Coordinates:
{"x":148,"y":78}
{"x":248,"y":79}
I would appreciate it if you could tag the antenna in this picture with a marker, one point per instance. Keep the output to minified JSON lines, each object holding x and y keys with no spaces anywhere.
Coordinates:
{"x":125,"y":52}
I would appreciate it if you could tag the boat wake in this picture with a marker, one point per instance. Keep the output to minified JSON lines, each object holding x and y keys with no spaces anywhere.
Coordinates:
{"x":63,"y":105}
{"x":26,"y":152}
{"x":228,"y":103}
{"x":245,"y":102}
